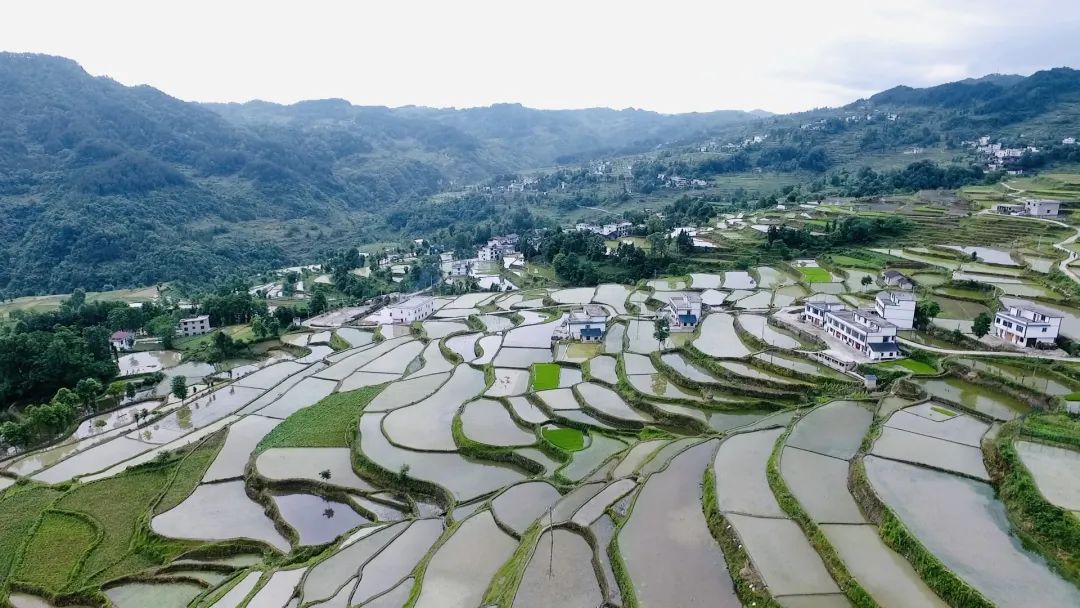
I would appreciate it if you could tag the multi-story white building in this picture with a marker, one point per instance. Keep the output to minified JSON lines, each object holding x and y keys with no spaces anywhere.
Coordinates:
{"x":194,"y":326}
{"x":1027,"y":325}
{"x":863,"y":331}
{"x":683,"y":312}
{"x":587,"y":323}
{"x":896,"y":307}
{"x":1041,"y":207}
{"x":414,"y":309}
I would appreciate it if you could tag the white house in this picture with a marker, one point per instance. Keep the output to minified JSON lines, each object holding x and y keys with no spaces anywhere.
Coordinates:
{"x":194,"y":326}
{"x":460,"y":268}
{"x":683,"y":312}
{"x":414,"y":309}
{"x":587,"y":323}
{"x":893,"y":278}
{"x":1041,"y":207}
{"x":122,"y":340}
{"x":1027,"y":325}
{"x":863,"y":331}
{"x":896,"y":307}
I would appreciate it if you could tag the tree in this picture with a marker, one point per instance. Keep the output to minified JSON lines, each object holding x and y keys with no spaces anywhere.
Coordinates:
{"x":318,"y":304}
{"x":88,"y":390}
{"x":129,"y":390}
{"x":179,"y":387}
{"x":115,"y":389}
{"x":258,"y":326}
{"x":661,"y":330}
{"x":866,"y":280}
{"x":925,"y":312}
{"x":981,"y":325}
{"x":684,"y":243}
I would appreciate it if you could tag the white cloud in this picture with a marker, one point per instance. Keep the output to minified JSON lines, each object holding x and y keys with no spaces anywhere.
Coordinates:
{"x":673,"y":56}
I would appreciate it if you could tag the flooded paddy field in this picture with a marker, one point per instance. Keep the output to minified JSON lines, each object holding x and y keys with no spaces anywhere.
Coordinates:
{"x":392,"y":474}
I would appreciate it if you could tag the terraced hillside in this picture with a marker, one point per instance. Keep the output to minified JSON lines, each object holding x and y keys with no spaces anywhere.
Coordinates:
{"x":473,"y":460}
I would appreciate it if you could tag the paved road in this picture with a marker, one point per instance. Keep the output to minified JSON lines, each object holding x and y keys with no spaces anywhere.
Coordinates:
{"x":987,"y":353}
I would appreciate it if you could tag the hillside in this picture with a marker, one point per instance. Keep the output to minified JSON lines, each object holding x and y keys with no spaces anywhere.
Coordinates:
{"x":105,"y":186}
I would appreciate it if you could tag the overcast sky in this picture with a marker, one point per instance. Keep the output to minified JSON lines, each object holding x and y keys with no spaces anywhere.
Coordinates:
{"x":669,"y":56}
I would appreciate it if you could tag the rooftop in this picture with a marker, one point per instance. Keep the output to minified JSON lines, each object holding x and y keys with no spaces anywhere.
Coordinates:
{"x":896,"y":296}
{"x":412,"y":303}
{"x":856,"y":317}
{"x":195,"y":319}
{"x":589,"y":311}
{"x":1042,"y":310}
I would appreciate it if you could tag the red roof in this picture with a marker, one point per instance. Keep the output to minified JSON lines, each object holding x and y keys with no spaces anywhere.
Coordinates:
{"x":122,"y":335}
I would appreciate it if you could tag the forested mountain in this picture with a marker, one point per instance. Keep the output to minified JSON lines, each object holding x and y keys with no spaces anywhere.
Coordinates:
{"x":103,"y":185}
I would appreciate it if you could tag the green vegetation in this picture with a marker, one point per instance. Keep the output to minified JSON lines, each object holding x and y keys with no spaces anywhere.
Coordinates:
{"x":327,"y":424}
{"x":815,"y":274}
{"x":544,"y":376}
{"x":911,"y":365}
{"x":848,"y":261}
{"x":570,"y":440}
{"x":942,"y":411}
{"x":1053,"y":531}
{"x":20,"y":510}
{"x":1057,"y":428}
{"x":56,"y":549}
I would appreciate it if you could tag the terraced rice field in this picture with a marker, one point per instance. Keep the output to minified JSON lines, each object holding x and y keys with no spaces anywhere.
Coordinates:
{"x":460,"y":467}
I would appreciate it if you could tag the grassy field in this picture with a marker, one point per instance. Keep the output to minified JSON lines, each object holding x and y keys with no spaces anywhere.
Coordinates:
{"x":570,"y":440}
{"x":52,"y":302}
{"x":323,"y":425}
{"x":121,"y":506}
{"x":544,"y":376}
{"x":851,"y":262}
{"x":19,"y":511}
{"x":815,"y":274}
{"x":60,"y":541}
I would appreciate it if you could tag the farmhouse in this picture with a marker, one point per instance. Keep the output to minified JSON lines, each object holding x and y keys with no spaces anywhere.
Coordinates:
{"x":413,"y":309}
{"x":893,"y":278}
{"x":896,"y":307}
{"x":1041,"y":207}
{"x":683,"y":312}
{"x":122,"y":340}
{"x":1027,"y":325}
{"x":863,"y":331}
{"x":194,"y":326}
{"x":587,"y":323}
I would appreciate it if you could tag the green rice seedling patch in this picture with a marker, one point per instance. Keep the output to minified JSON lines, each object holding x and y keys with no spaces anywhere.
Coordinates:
{"x":545,"y":376}
{"x":571,"y":440}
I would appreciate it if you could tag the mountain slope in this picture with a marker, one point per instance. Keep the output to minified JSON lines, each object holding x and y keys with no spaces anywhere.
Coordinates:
{"x":103,"y":185}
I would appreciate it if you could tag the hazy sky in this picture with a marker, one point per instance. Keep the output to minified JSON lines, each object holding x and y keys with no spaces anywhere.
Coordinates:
{"x":670,"y":55}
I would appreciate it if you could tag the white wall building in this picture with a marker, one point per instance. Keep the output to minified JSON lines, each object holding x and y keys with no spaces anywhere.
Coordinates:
{"x":1028,"y":325}
{"x":896,"y":307}
{"x":587,"y":323}
{"x":414,"y":309}
{"x":683,"y":313}
{"x":194,"y":326}
{"x":863,"y":331}
{"x":1041,"y":207}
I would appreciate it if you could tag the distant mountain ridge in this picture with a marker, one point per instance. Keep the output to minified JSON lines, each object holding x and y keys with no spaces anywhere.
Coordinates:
{"x":105,"y":185}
